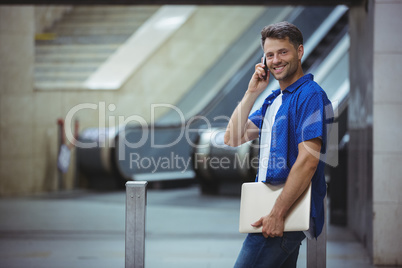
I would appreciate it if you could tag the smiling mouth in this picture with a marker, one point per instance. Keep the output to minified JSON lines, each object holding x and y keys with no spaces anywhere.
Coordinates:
{"x":279,"y":68}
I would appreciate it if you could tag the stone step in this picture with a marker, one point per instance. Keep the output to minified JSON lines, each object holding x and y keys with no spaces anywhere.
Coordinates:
{"x":77,"y":49}
{"x":89,"y":30}
{"x":62,"y":76}
{"x":100,"y":23}
{"x":86,"y":40}
{"x":59,"y":85}
{"x":113,"y":9}
{"x":109,"y":17}
{"x":71,"y":58}
{"x":48,"y":67}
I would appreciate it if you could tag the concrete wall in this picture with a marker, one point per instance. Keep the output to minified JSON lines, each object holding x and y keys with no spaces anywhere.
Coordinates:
{"x":28,"y":144}
{"x":18,"y":151}
{"x":360,"y":125}
{"x":375,"y":156}
{"x":387,"y":146}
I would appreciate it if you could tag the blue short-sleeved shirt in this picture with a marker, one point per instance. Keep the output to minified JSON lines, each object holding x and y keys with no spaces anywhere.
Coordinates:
{"x":305,"y":113}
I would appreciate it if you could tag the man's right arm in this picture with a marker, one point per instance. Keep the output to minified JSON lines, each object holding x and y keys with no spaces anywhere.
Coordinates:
{"x":240,"y":129}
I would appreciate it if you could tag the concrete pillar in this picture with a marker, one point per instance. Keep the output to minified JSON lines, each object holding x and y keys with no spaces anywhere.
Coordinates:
{"x":375,"y":153}
{"x":16,"y":99}
{"x":360,"y":124}
{"x":387,"y":129}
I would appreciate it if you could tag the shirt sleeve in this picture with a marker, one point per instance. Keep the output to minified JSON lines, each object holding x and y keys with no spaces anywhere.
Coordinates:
{"x":256,"y":118}
{"x":313,"y":116}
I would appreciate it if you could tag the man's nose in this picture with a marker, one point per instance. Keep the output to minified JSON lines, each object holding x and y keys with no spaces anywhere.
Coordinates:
{"x":276,"y":59}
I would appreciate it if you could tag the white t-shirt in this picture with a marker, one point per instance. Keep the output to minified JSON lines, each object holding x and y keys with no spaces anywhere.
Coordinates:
{"x":266,"y":131}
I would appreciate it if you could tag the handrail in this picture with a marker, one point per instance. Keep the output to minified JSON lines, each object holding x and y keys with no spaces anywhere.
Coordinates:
{"x":339,"y":98}
{"x":324,"y":28}
{"x":326,"y":67}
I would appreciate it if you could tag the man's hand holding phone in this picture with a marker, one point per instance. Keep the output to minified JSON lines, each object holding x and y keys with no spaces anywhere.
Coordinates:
{"x":259,"y":80}
{"x":264,"y":61}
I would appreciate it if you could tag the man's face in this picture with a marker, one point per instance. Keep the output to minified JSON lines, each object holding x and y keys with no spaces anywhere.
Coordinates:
{"x":282,"y":58}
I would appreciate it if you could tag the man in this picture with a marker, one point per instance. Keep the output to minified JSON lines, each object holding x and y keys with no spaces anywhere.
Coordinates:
{"x":292,"y":127}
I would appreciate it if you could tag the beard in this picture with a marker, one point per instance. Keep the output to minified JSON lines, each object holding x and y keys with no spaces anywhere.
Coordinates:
{"x":288,"y":72}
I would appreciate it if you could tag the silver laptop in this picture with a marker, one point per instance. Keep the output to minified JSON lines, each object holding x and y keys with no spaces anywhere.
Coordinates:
{"x":258,"y":199}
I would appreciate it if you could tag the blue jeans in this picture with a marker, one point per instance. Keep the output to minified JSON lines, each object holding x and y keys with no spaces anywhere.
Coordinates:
{"x":261,"y":252}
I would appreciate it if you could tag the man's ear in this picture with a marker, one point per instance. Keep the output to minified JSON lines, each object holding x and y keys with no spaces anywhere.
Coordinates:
{"x":300,"y":51}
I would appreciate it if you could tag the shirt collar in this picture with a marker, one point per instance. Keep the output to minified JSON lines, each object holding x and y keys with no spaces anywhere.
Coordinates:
{"x":299,"y":82}
{"x":290,"y":89}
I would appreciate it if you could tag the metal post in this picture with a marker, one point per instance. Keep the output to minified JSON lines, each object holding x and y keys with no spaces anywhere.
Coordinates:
{"x":135,"y":223}
{"x":317,"y":249}
{"x":60,"y":142}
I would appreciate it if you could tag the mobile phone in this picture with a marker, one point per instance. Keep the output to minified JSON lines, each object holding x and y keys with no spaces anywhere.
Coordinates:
{"x":264,"y":61}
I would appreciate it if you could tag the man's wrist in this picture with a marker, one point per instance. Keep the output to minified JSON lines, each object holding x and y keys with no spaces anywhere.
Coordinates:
{"x":278,"y":210}
{"x":277,"y":213}
{"x":251,"y":95}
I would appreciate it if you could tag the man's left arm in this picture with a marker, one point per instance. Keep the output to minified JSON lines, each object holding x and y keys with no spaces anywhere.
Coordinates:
{"x":297,"y":182}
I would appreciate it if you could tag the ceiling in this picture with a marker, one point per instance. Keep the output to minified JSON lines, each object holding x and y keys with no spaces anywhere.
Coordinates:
{"x":183,"y":2}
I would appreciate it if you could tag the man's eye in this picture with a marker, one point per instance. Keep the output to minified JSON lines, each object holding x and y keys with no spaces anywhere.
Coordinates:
{"x":284,"y":52}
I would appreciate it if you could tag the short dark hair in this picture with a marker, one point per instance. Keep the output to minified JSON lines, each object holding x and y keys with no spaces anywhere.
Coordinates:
{"x":282,"y":30}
